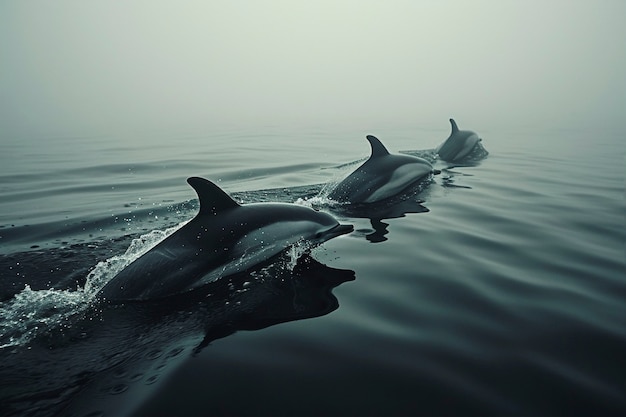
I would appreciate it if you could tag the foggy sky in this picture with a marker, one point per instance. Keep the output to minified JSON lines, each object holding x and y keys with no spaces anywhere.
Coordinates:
{"x":79,"y":67}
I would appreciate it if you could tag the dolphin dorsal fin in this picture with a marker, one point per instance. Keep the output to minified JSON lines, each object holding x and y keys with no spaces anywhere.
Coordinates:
{"x":378,"y":149}
{"x":455,"y":128}
{"x":213,"y":200}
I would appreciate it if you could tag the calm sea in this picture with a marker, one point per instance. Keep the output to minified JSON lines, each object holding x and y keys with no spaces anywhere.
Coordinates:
{"x":497,"y":290}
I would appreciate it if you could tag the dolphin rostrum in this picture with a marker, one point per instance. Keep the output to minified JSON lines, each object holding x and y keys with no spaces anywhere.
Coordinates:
{"x":382,"y":176}
{"x":460,"y":145}
{"x":224,"y":238}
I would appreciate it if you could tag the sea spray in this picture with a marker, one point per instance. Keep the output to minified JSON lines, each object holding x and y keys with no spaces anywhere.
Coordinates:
{"x":33,"y":312}
{"x":295,"y":252}
{"x":104,"y":271}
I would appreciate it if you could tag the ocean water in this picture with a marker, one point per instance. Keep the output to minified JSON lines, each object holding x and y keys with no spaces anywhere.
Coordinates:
{"x":497,"y":289}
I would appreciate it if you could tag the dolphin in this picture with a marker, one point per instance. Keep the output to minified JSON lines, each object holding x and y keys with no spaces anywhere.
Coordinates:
{"x":382,"y":176}
{"x":461,"y":144}
{"x":224,"y":238}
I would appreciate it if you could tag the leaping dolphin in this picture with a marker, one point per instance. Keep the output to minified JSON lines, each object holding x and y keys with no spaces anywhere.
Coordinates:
{"x":460,"y":145}
{"x":382,"y":176}
{"x":224,"y":238}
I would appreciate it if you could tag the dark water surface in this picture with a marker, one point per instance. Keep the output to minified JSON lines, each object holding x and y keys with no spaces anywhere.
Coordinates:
{"x":498,"y":289}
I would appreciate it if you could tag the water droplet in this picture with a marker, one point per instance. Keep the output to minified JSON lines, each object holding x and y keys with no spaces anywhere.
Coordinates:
{"x":118,"y":389}
{"x":154,"y":354}
{"x":152,"y":379}
{"x":175,"y":352}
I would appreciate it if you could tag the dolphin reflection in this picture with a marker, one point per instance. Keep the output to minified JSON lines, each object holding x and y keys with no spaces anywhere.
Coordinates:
{"x":394,"y":208}
{"x":111,"y":360}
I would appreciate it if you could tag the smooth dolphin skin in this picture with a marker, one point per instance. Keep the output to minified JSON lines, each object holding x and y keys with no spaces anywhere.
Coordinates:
{"x":224,"y":238}
{"x":461,"y":145}
{"x":381,"y":177}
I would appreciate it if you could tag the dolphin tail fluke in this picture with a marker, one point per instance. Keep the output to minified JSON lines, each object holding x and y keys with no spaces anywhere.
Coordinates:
{"x":455,"y":128}
{"x":213,"y":199}
{"x":378,"y":149}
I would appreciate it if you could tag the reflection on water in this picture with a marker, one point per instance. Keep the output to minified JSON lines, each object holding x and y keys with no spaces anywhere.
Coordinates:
{"x":390,"y":209}
{"x":494,"y":290}
{"x":110,"y":360}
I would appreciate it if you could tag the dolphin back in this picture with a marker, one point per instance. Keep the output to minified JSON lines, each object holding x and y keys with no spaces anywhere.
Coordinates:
{"x":382,"y":176}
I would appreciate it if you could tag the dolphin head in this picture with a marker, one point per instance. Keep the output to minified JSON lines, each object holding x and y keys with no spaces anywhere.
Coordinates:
{"x":311,"y":225}
{"x":329,"y":227}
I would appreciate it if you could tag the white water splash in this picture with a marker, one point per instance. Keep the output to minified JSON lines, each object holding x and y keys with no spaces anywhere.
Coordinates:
{"x":314,"y":202}
{"x":32,"y":312}
{"x":104,"y":271}
{"x":295,"y":251}
{"x":321,"y":200}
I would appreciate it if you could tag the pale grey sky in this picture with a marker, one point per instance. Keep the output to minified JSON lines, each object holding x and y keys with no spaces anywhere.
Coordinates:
{"x":81,"y":67}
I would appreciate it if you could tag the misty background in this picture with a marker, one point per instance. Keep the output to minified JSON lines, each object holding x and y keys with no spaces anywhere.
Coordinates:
{"x":77,"y":67}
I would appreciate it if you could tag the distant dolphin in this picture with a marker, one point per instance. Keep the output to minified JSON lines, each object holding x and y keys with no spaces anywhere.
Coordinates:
{"x":382,"y":176}
{"x":224,"y":238}
{"x":460,"y":145}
